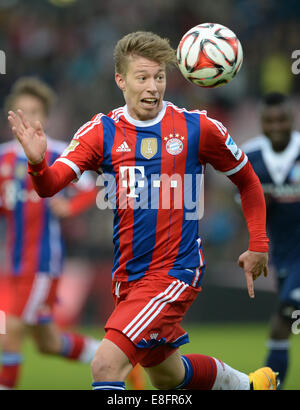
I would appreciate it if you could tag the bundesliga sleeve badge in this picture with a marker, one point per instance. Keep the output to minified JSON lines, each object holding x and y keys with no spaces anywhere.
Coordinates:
{"x":233,"y":148}
{"x":73,"y":144}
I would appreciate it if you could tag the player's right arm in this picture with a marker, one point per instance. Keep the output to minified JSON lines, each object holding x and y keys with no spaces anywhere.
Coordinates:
{"x":217,"y":148}
{"x":83,"y":153}
{"x":32,"y":138}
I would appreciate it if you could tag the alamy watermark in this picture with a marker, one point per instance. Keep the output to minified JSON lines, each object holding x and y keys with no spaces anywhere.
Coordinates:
{"x":2,"y":62}
{"x":296,"y":323}
{"x":132,"y":188}
{"x":296,"y":64}
{"x":2,"y":323}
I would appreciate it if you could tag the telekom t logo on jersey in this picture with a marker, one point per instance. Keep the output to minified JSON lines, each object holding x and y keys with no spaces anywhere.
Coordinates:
{"x":132,"y":180}
{"x":137,"y":190}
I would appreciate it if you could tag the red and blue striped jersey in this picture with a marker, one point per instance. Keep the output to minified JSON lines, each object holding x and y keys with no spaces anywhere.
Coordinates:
{"x":33,"y":239}
{"x":153,"y":172}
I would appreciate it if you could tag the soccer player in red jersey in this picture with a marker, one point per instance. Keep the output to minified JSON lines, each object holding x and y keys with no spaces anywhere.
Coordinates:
{"x":153,"y":157}
{"x":33,"y":253}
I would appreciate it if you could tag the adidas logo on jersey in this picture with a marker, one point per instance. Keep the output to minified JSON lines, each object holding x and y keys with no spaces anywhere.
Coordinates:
{"x":123,"y":147}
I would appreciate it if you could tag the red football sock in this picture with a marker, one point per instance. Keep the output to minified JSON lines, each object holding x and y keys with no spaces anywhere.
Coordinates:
{"x":204,"y":372}
{"x":73,"y":345}
{"x":9,"y":376}
{"x":10,"y":370}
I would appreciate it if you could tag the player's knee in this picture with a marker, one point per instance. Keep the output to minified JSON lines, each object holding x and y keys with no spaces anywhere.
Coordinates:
{"x":282,"y":321}
{"x":15,"y":327}
{"x":96,"y":367}
{"x":102,"y":370}
{"x":164,"y":382}
{"x":15,"y":330}
{"x":110,"y":363}
{"x":105,"y":369}
{"x":286,"y":309}
{"x":162,"y":385}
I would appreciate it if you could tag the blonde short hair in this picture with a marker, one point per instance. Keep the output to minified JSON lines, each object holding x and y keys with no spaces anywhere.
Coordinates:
{"x":144,"y":44}
{"x":34,"y":87}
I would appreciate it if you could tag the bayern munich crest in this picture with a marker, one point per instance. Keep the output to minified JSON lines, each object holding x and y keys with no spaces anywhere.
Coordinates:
{"x":174,"y":145}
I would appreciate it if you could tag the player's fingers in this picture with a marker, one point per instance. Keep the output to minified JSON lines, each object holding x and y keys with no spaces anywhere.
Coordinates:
{"x":38,"y":127}
{"x":13,"y":119}
{"x":256,"y":274}
{"x":25,"y":123}
{"x":263,"y":270}
{"x":240,"y":263}
{"x":16,"y":123}
{"x":15,"y":132}
{"x":250,"y":284}
{"x":12,"y":114}
{"x":14,"y":126}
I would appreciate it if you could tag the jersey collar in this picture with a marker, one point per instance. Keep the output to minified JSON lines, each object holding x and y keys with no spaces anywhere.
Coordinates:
{"x":279,"y":163}
{"x":147,"y":123}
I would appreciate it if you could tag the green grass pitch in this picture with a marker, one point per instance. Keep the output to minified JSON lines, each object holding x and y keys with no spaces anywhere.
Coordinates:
{"x":242,"y":346}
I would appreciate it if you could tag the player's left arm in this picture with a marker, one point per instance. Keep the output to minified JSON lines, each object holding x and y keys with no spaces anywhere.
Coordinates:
{"x":218,"y":148}
{"x":255,"y":260}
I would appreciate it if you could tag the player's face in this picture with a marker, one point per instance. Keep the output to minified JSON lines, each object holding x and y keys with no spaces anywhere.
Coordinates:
{"x":32,"y":108}
{"x":277,"y":125}
{"x":143,"y":87}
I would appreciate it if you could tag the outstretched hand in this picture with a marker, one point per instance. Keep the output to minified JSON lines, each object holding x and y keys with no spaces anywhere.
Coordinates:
{"x":31,"y":136}
{"x":60,"y":206}
{"x":254,"y":264}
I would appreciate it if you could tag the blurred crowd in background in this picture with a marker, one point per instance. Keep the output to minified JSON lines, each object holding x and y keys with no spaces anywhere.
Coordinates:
{"x":70,"y":43}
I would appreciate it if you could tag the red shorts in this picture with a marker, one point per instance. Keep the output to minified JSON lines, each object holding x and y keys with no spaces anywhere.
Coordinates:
{"x":148,"y":313}
{"x":30,"y":297}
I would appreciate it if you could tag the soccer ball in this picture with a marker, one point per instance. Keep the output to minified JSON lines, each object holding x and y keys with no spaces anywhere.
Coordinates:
{"x":209,"y":55}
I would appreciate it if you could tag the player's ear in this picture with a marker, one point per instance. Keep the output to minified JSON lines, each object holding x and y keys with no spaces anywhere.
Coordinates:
{"x":120,"y":81}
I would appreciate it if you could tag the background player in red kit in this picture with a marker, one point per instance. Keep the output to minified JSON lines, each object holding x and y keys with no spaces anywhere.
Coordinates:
{"x":158,"y":261}
{"x":33,"y":253}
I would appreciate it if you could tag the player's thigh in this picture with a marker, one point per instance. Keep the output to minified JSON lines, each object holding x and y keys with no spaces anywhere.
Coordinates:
{"x":168,"y":374}
{"x":290,"y":287}
{"x":15,"y":331}
{"x":33,"y":297}
{"x":110,"y":363}
{"x":289,"y":293}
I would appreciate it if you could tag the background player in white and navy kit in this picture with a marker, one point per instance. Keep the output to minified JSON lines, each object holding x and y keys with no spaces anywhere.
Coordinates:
{"x":275,"y":157}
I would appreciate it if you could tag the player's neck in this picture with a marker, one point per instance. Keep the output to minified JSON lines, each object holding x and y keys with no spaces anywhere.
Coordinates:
{"x":278,"y":148}
{"x":145,"y":123}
